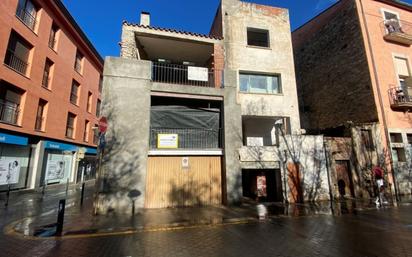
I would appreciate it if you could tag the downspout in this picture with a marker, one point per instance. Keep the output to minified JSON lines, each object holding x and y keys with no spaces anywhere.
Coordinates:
{"x":385,"y":124}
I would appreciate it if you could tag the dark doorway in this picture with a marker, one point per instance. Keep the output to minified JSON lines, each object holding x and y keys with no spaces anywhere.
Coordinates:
{"x":344,"y":178}
{"x":263,"y":185}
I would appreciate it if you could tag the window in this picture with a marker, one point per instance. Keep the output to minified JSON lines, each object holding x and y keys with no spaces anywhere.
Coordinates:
{"x":258,"y":83}
{"x":17,"y":55}
{"x":95,"y":135}
{"x":89,"y":101}
{"x":409,"y":136}
{"x":86,"y":131}
{"x":78,"y":62}
{"x":396,"y":137}
{"x":367,"y":140}
{"x":257,"y":37}
{"x":47,"y":73}
{"x":74,"y":95}
{"x":98,"y":108}
{"x":392,"y":22}
{"x":40,"y":117}
{"x":27,"y":13}
{"x":71,"y":120}
{"x":53,"y":36}
{"x":9,"y":103}
{"x":101,"y":84}
{"x":399,"y":154}
{"x":264,"y":131}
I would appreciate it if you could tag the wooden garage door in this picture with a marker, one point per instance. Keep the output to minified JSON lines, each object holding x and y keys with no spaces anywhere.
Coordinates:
{"x":172,"y":183}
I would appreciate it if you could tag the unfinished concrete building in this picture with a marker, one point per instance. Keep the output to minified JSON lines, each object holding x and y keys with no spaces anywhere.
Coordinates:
{"x":207,"y":119}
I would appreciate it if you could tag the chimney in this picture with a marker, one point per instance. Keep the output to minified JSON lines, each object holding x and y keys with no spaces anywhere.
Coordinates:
{"x":145,"y":19}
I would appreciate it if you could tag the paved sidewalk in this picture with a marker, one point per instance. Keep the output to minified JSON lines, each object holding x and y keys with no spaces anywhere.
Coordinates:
{"x":79,"y":220}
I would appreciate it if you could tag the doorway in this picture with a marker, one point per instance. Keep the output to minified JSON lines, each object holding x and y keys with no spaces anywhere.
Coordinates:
{"x":263,"y":185}
{"x":344,"y":179}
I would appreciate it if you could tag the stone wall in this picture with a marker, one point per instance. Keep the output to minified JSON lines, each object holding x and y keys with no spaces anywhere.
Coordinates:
{"x":333,"y":78}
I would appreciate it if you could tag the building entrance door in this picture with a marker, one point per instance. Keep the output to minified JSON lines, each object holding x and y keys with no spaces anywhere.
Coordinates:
{"x":344,"y":179}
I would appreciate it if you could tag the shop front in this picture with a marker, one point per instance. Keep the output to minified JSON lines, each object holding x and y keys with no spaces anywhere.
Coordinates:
{"x":60,"y":162}
{"x":14,"y":161}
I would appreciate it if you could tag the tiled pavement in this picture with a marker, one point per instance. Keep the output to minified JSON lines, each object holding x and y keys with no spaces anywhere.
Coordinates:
{"x":374,"y":232}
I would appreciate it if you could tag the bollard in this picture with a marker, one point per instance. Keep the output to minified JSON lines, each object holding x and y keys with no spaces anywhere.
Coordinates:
{"x":7,"y":196}
{"x":67,"y":186}
{"x":60,"y":217}
{"x":82,"y":194}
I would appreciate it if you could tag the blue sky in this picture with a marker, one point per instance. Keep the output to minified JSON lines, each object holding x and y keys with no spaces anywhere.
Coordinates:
{"x":101,"y":19}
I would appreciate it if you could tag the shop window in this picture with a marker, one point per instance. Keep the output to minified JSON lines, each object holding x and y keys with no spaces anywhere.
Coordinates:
{"x":86,"y":131}
{"x":259,"y":83}
{"x":10,"y":98}
{"x":399,"y":154}
{"x":257,"y":37}
{"x":47,"y":73}
{"x":396,"y":137}
{"x":27,"y":13}
{"x":367,"y":139}
{"x":89,"y":101}
{"x":98,"y":105}
{"x":78,"y":64}
{"x":17,"y":55}
{"x":70,"y":126}
{"x":53,"y":36}
{"x":40,"y":117}
{"x":74,"y":94}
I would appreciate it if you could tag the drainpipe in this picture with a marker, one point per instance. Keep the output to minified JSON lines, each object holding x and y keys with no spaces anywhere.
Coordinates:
{"x":385,"y":124}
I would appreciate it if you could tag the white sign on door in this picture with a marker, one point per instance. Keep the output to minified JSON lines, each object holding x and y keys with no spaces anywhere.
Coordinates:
{"x":197,"y":73}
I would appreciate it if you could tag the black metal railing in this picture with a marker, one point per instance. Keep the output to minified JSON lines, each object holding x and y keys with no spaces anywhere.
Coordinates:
{"x":179,"y":74}
{"x":45,"y":80}
{"x":39,"y":123}
{"x":26,"y":17}
{"x":15,"y":62}
{"x":189,"y":138}
{"x":400,"y":95}
{"x":73,"y":98}
{"x":9,"y":112}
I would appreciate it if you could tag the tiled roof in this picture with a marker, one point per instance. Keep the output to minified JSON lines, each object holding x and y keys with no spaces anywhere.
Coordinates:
{"x":172,"y":30}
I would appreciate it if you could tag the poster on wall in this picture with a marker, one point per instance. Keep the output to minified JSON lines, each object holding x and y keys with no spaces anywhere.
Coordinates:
{"x":167,"y":141}
{"x":55,"y":169}
{"x":9,"y":171}
{"x":261,"y":186}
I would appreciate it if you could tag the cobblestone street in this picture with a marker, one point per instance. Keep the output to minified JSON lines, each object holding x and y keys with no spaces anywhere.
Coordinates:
{"x":380,"y":232}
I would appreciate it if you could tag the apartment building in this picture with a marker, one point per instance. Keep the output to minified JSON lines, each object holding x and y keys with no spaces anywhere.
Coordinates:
{"x":49,"y":96}
{"x":353,"y":72}
{"x":206,"y":119}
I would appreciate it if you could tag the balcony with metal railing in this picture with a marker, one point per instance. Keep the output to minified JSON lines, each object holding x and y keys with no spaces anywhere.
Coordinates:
{"x":400,"y":98}
{"x":186,"y":75}
{"x":26,"y":17}
{"x":397,"y":31}
{"x":15,"y":62}
{"x":9,"y":112}
{"x":188,"y":138}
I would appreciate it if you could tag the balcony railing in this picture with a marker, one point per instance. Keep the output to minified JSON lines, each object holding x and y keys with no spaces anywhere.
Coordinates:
{"x":9,"y":112}
{"x":397,"y":31}
{"x":183,"y":75}
{"x":70,"y":132}
{"x":400,"y":98}
{"x":26,"y":17}
{"x":73,"y":98}
{"x":45,"y":80}
{"x":39,"y":123}
{"x":189,"y":138}
{"x":52,"y":42}
{"x":16,"y":63}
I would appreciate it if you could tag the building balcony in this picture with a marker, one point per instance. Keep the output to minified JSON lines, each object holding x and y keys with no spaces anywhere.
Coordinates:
{"x":401,"y":98}
{"x":185,"y":75}
{"x":26,"y":17}
{"x":397,"y":31}
{"x":9,"y":112}
{"x":15,"y":62}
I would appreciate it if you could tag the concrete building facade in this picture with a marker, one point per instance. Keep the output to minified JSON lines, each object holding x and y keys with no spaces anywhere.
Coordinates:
{"x":353,"y":72}
{"x":49,"y":96}
{"x":207,"y":119}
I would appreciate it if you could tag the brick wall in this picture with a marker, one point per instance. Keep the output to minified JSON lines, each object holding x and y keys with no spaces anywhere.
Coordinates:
{"x":333,"y":79}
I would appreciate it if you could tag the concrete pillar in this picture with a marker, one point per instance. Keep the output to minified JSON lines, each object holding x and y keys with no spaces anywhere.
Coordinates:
{"x":233,"y":138}
{"x":126,"y":104}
